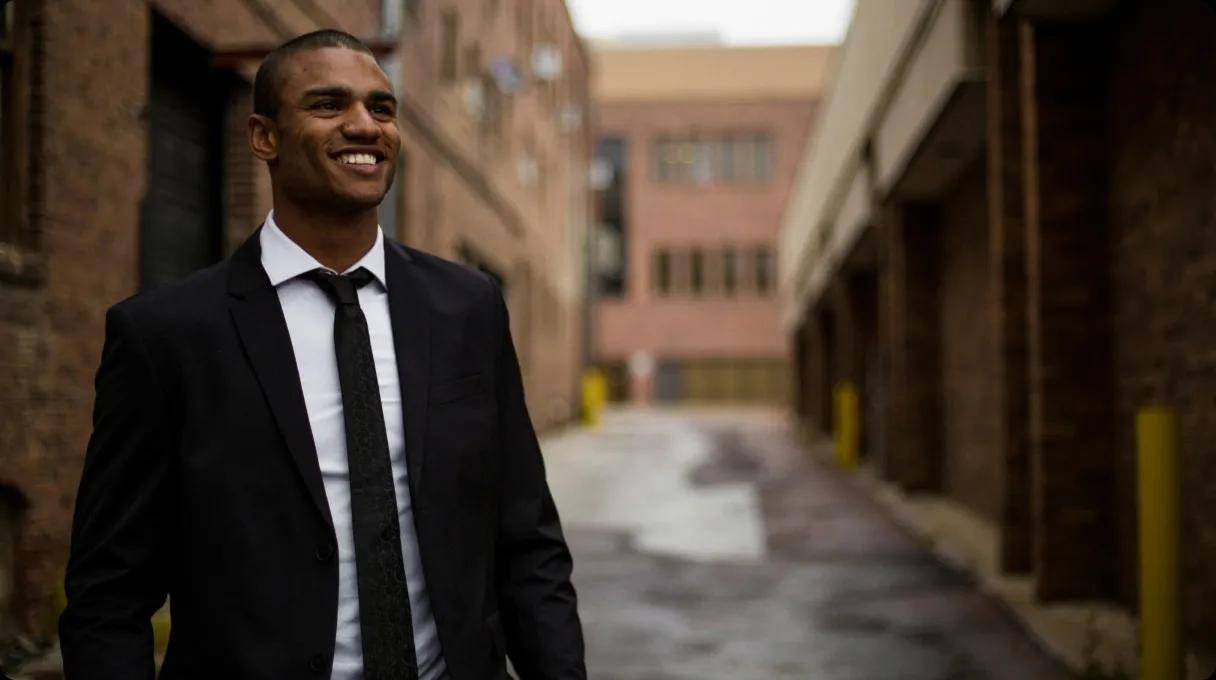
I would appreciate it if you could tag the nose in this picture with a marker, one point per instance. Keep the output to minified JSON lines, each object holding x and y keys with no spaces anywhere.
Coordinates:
{"x":359,"y":123}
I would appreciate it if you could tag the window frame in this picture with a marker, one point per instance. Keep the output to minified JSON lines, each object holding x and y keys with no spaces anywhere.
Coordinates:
{"x":662,"y":272}
{"x":732,"y":157}
{"x":730,"y":280}
{"x":763,"y":270}
{"x":696,"y":272}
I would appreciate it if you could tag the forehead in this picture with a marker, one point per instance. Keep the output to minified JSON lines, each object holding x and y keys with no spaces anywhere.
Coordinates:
{"x":332,"y":66}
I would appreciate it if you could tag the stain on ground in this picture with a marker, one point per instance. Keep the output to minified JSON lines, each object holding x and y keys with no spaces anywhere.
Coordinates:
{"x":842,"y":592}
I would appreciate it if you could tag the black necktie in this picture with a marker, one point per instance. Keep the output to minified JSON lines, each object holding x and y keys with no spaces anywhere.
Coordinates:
{"x":384,"y":600}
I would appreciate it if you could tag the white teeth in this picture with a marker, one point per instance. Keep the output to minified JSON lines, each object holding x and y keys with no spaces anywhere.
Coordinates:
{"x":357,"y":159}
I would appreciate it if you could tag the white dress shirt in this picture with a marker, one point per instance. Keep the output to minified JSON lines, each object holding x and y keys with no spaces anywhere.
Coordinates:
{"x":310,"y":321}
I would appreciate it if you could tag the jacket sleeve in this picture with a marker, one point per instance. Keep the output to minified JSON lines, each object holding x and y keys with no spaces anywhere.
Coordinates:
{"x":537,"y":602}
{"x":116,"y":575}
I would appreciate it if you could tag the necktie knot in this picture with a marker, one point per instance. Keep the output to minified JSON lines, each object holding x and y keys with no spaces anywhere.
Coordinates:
{"x":341,"y":288}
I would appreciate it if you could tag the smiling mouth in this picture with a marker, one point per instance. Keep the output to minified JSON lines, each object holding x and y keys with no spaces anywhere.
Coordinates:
{"x":358,"y":159}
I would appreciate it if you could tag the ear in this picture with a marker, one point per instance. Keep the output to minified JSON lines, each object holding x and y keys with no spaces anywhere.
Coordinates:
{"x":263,"y":137}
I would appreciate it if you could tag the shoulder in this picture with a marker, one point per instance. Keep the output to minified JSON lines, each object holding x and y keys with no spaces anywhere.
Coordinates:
{"x":179,"y":304}
{"x":449,"y":281}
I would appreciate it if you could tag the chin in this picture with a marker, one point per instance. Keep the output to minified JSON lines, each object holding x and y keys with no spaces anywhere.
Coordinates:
{"x":354,"y":201}
{"x":361,"y":203}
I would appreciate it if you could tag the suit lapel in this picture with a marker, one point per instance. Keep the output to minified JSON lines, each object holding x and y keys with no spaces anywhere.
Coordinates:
{"x":410,"y":311}
{"x":263,"y":331}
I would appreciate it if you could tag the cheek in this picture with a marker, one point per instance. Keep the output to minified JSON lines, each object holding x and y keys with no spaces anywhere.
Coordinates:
{"x":392,"y":137}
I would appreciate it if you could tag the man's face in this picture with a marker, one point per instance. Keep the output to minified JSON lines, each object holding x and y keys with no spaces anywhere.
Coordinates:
{"x":337,"y":139}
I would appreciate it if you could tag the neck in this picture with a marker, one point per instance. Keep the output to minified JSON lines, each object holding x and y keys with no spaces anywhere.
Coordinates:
{"x":335,"y":240}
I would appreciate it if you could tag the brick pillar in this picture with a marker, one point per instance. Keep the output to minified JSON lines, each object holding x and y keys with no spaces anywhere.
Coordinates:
{"x":911,"y":345}
{"x":1063,"y":79}
{"x":852,"y":298}
{"x":1007,"y":269}
{"x":847,"y":333}
{"x":801,"y":372}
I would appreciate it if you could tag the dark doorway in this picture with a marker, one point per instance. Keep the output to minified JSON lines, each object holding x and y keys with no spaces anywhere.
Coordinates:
{"x":181,"y":227}
{"x":669,"y":381}
{"x":12,"y":508}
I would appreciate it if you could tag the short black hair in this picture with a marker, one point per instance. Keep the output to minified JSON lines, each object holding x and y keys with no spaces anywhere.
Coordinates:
{"x":269,"y":79}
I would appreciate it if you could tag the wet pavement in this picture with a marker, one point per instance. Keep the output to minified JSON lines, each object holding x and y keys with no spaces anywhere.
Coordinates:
{"x":709,"y":545}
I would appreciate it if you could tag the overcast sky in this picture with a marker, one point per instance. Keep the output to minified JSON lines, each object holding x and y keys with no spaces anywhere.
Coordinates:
{"x":737,"y":22}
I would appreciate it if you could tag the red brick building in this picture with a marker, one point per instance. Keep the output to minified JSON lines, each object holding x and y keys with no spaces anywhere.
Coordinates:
{"x":1006,"y":241}
{"x":701,"y":146}
{"x":125,"y":165}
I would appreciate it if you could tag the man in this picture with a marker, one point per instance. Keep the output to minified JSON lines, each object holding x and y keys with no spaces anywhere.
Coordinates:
{"x":318,"y":448}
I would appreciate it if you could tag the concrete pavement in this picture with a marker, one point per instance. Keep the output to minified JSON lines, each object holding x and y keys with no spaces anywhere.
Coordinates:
{"x":707,"y":545}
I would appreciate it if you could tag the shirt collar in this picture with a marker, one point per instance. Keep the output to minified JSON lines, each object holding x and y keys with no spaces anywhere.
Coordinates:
{"x":283,"y":259}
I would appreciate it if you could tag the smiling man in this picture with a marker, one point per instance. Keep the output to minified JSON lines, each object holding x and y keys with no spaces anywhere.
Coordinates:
{"x":318,"y":449}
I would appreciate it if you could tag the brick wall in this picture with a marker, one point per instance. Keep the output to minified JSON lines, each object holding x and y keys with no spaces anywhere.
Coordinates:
{"x":236,"y":24}
{"x":461,"y":187}
{"x":89,"y":175}
{"x":87,"y":180}
{"x":1068,"y":322}
{"x":968,"y":408}
{"x":909,"y":333}
{"x":1162,"y":207}
{"x":1007,"y":291}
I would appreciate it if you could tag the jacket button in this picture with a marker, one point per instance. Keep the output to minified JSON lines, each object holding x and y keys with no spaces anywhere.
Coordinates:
{"x":317,"y":663}
{"x":324,"y":552}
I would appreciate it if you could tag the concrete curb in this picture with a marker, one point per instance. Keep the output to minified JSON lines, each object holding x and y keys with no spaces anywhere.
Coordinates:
{"x":1085,"y":636}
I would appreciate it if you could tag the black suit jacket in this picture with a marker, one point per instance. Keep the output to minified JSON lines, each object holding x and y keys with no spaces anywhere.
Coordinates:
{"x":201,"y":482}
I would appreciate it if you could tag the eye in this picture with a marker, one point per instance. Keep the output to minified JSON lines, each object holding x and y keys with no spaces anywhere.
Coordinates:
{"x":326,"y":105}
{"x":382,"y":109}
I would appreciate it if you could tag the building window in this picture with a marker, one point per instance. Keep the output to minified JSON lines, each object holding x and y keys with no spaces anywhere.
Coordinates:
{"x":763,"y":160}
{"x":449,"y":58}
{"x":611,"y":240}
{"x":680,"y":271}
{"x":764,"y":271}
{"x":728,"y":271}
{"x":685,"y":161}
{"x":696,"y":272}
{"x":729,"y":158}
{"x":662,"y":272}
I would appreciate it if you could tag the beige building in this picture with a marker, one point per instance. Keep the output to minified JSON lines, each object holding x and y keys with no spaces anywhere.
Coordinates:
{"x":698,"y":147}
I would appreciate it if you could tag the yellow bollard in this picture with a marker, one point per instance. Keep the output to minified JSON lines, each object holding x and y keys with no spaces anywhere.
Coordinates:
{"x":601,"y":394}
{"x":1158,"y":483}
{"x":847,"y":425}
{"x":595,"y":393}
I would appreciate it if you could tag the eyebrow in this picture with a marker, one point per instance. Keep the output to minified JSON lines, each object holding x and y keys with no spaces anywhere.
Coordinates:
{"x":327,"y":91}
{"x":382,"y":96}
{"x":340,"y":91}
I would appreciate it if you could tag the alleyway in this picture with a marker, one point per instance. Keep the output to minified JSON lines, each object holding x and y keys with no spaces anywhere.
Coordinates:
{"x":707,"y":545}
